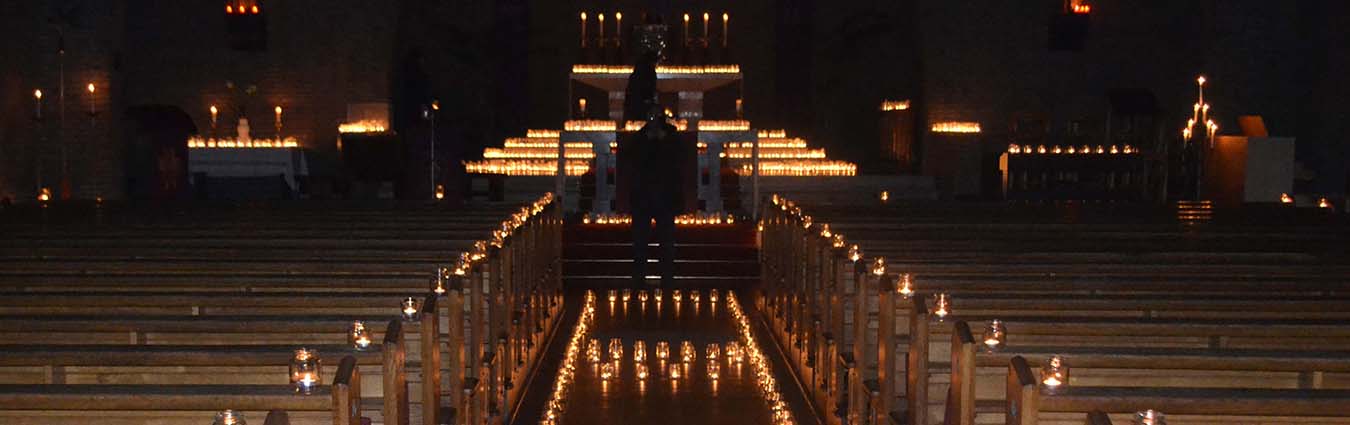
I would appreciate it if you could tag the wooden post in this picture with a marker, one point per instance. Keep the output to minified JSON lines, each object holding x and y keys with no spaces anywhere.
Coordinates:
{"x":961,"y":397}
{"x":1096,"y":417}
{"x":916,"y":390}
{"x":395,"y":377}
{"x":347,"y":393}
{"x":1023,"y":396}
{"x":454,"y":305}
{"x":431,"y":361}
{"x":886,"y":352}
{"x":860,"y":348}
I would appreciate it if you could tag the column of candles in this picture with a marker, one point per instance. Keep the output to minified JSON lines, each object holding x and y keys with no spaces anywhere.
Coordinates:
{"x":768,"y":386}
{"x":553,"y":409}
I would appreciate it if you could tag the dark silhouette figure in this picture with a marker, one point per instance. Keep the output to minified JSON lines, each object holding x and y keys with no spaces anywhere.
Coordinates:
{"x":655,"y":193}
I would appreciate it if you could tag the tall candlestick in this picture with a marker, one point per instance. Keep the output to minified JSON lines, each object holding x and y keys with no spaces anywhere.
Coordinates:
{"x":37,"y":104}
{"x":92,"y":105}
{"x":278,"y":111}
{"x":583,"y":29}
{"x":725,"y":34}
{"x":685,"y":34}
{"x":601,"y":18}
{"x":214,"y":113}
{"x":618,"y":28}
{"x":705,"y":26}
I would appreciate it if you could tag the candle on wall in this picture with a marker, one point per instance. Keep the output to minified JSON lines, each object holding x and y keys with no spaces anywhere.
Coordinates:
{"x":37,"y":104}
{"x":685,"y":34}
{"x":90,"y":87}
{"x":583,"y":29}
{"x":726,"y":35}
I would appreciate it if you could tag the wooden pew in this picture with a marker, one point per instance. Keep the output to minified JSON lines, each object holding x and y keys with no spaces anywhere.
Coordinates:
{"x":1149,"y":364}
{"x":1028,"y":404}
{"x":78,"y":404}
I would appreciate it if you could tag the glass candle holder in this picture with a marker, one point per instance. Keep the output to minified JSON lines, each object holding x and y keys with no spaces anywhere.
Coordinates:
{"x":714,"y":371}
{"x":640,"y":351}
{"x":642,"y":296}
{"x":615,"y":348}
{"x":438,"y":283}
{"x":662,"y":350}
{"x":1055,"y":374}
{"x":687,"y":352}
{"x":409,"y":308}
{"x":905,"y":286}
{"x":359,"y":335}
{"x":305,"y":370}
{"x":1150,"y":417}
{"x":229,"y":417}
{"x":675,"y":370}
{"x":627,"y":295}
{"x":879,"y":266}
{"x":593,"y":351}
{"x":613,"y":295}
{"x":640,"y":370}
{"x":675,"y":295}
{"x":995,"y":335}
{"x":607,"y":371}
{"x":942,"y":308}
{"x":712,"y":296}
{"x":713,"y":351}
{"x":733,"y":352}
{"x":694,"y":296}
{"x":656,"y":293}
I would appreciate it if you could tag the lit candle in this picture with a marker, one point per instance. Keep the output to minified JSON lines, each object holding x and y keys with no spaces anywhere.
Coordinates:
{"x":409,"y":308}
{"x":228,"y":416}
{"x":37,"y":104}
{"x":726,"y":35}
{"x":676,"y":369}
{"x":1055,"y":374}
{"x":705,"y":26}
{"x":440,"y":191}
{"x":606,"y":371}
{"x":906,"y":285}
{"x":687,"y":352}
{"x":277,"y":110}
{"x":593,"y":350}
{"x":885,"y":195}
{"x":613,"y":295}
{"x":627,"y":295}
{"x":1323,"y":203}
{"x":994,"y":335}
{"x":615,"y":348}
{"x":714,"y":371}
{"x":642,"y":296}
{"x":712,"y":296}
{"x":685,"y":34}
{"x":694,"y":296}
{"x":305,"y":370}
{"x":92,"y":109}
{"x":640,"y":351}
{"x":657,"y":294}
{"x":618,"y":28}
{"x":640,"y":370}
{"x":601,"y":18}
{"x":675,"y":295}
{"x":739,"y":109}
{"x":581,"y":104}
{"x":942,"y":308}
{"x":1149,"y":417}
{"x":583,"y":29}
{"x":359,"y":336}
{"x":662,"y":350}
{"x":214,"y":114}
{"x":713,"y":351}
{"x":879,"y":266}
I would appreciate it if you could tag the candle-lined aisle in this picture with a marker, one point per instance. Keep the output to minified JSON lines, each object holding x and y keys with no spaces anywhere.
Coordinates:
{"x":666,"y":356}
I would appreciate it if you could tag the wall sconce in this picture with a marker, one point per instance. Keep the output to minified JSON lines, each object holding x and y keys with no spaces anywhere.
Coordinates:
{"x":906,"y":286}
{"x":305,"y":370}
{"x":995,"y":335}
{"x":687,"y":352}
{"x":1055,"y":374}
{"x":229,"y":417}
{"x":1150,"y":417}
{"x":410,"y":307}
{"x":615,"y":348}
{"x":713,"y":351}
{"x":640,"y":370}
{"x":359,"y":335}
{"x":942,"y":308}
{"x":712,"y":296}
{"x":640,"y":351}
{"x":662,"y":350}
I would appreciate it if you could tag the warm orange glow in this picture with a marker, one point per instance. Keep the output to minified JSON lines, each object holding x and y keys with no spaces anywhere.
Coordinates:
{"x":90,"y":87}
{"x":45,"y":194}
{"x":37,"y":94}
{"x":368,"y":126}
{"x":1082,"y":9}
{"x":525,"y":167}
{"x":724,"y":125}
{"x":277,"y":110}
{"x":590,"y":125}
{"x":802,"y":168}
{"x":537,"y":133}
{"x":660,"y":69}
{"x":198,"y":142}
{"x":956,"y":127}
{"x":1323,"y":203}
{"x":255,"y":9}
{"x":894,"y":105}
{"x":686,"y":17}
{"x":1286,"y":199}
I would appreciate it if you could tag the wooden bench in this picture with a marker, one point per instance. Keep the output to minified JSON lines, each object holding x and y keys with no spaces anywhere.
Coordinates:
{"x":340,"y":402}
{"x":1029,"y":405}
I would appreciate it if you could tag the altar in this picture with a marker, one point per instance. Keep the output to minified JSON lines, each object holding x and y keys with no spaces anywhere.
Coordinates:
{"x":287,"y":163}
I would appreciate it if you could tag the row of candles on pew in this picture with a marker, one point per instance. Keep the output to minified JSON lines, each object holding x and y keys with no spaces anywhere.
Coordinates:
{"x":1054,"y":375}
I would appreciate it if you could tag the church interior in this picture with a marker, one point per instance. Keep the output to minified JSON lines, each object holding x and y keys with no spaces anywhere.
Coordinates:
{"x":779,"y":212}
